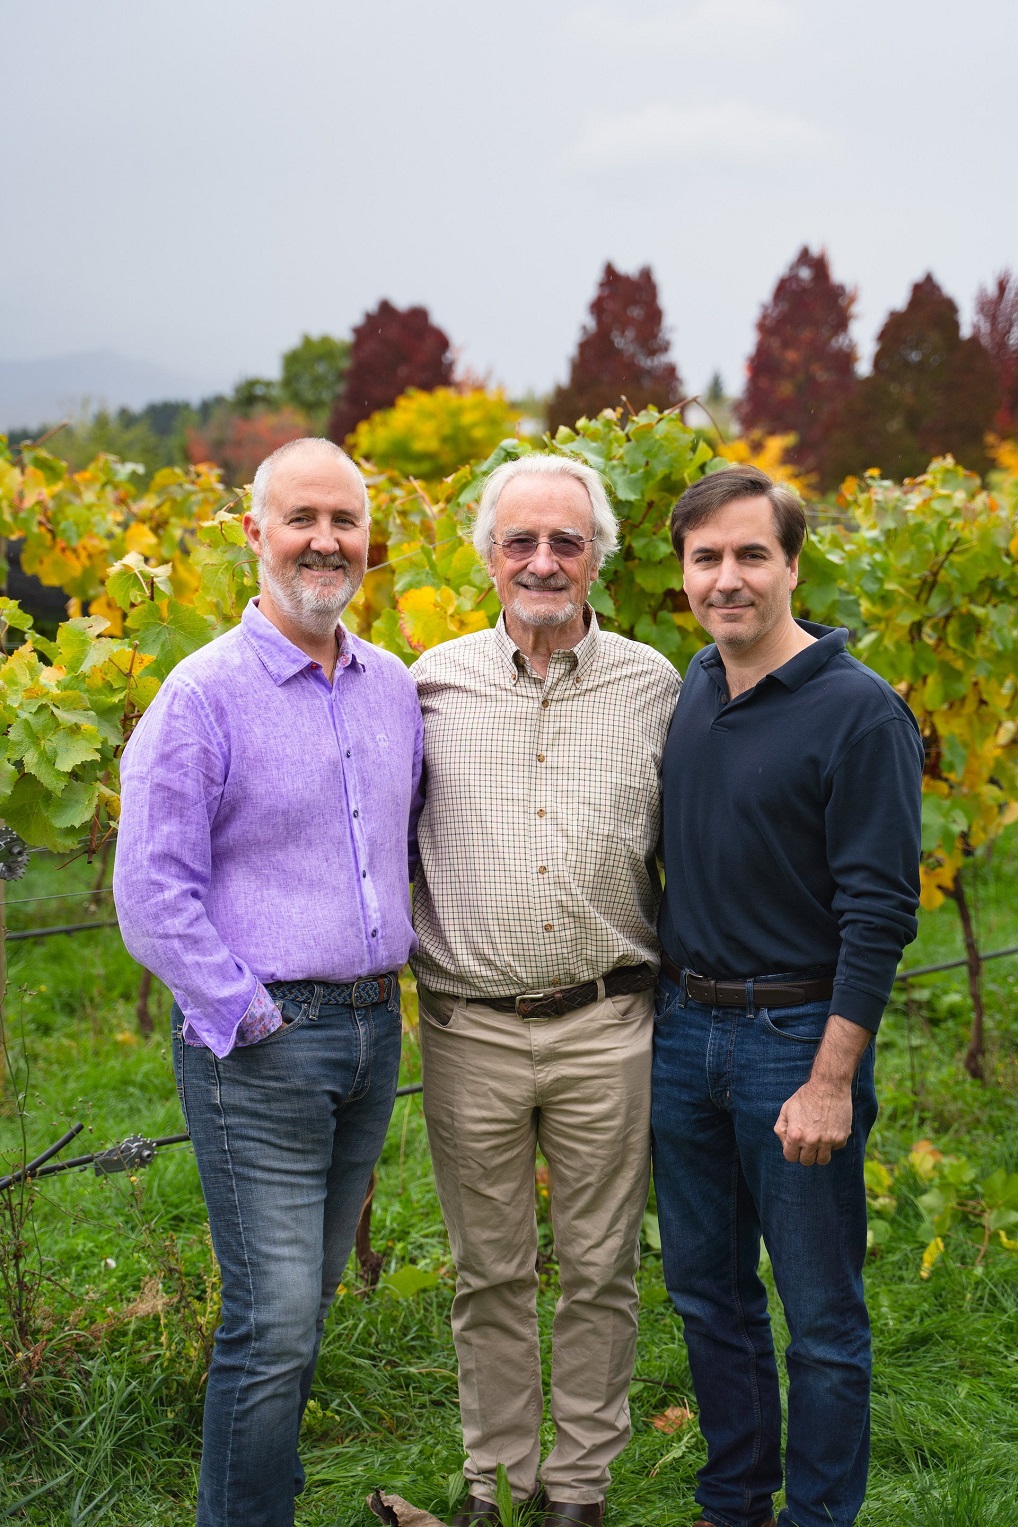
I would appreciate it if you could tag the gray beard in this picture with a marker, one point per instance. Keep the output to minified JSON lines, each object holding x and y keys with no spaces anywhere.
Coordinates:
{"x":543,"y":618}
{"x":313,"y":611}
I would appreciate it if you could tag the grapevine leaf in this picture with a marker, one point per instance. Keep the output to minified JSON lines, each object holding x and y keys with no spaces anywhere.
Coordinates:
{"x":28,"y":812}
{"x":131,"y":580}
{"x":8,"y":779}
{"x":74,"y":805}
{"x":168,"y":631}
{"x":69,"y":749}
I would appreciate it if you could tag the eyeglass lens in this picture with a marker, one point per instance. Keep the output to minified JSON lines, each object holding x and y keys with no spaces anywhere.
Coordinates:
{"x":522,"y":548}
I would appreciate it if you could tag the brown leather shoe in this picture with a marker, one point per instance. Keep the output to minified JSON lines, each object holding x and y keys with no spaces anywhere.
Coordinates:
{"x":561,"y":1513}
{"x":476,"y":1510}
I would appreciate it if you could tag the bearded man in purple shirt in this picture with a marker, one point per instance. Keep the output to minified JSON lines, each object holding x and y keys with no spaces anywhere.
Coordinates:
{"x":262,"y":874}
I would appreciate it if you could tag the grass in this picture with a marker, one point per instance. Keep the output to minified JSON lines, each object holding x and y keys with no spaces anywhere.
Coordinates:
{"x":110,"y":1391}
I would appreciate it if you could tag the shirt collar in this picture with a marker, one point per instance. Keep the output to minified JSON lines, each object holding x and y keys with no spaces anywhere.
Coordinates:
{"x":278,"y":655}
{"x":582,"y":655}
{"x":830,"y":640}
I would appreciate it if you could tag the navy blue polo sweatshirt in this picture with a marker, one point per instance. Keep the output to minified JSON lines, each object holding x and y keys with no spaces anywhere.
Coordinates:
{"x":792,"y":825}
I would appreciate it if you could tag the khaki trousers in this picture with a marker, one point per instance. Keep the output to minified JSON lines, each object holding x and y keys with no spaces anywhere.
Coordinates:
{"x":496,"y":1087}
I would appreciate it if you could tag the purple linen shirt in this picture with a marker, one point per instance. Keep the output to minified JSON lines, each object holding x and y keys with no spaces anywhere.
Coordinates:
{"x":265,"y":819}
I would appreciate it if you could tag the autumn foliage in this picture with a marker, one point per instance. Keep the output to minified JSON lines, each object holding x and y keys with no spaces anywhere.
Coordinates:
{"x":802,"y":371}
{"x":931,"y":393}
{"x":623,"y":353}
{"x":996,"y":326}
{"x":393,"y":349}
{"x":237,"y":443}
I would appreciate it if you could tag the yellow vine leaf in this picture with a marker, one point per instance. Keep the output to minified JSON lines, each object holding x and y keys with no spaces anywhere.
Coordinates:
{"x":770,"y":454}
{"x":428,"y":616}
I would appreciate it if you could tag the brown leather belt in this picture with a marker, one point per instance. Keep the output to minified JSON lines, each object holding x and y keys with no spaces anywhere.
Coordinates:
{"x":556,"y":1000}
{"x":787,"y":992}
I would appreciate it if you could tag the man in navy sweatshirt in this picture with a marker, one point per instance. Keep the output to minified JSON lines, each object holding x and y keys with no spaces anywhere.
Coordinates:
{"x":792,"y":793}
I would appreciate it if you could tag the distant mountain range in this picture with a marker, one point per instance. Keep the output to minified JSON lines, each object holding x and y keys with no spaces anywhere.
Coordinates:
{"x":59,"y":387}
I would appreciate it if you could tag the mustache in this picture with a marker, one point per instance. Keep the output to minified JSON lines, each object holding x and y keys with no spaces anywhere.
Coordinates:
{"x":322,"y":563}
{"x":727,"y":602}
{"x":554,"y":582}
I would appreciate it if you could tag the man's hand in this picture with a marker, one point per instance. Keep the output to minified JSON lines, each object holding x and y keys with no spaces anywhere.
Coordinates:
{"x":817,"y":1120}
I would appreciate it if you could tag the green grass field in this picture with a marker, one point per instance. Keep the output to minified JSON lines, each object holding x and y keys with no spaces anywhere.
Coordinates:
{"x":101,"y":1397}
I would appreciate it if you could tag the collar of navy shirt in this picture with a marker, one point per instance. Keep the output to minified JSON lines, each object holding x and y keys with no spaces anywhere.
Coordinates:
{"x":830,"y":640}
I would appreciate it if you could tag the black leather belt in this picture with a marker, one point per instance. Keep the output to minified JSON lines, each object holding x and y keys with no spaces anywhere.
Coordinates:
{"x":788,"y":991}
{"x":364,"y":993}
{"x":556,"y":1000}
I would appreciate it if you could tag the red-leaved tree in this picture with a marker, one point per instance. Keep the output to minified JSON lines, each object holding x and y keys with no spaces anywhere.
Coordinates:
{"x":393,"y":349}
{"x":996,"y":325}
{"x":239,"y":444}
{"x":802,"y":371}
{"x":622,"y":353}
{"x":931,"y":392}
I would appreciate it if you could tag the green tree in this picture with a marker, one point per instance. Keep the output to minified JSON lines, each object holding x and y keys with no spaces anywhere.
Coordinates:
{"x":313,"y":375}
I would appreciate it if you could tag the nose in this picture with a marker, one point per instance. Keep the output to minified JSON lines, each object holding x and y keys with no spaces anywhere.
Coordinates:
{"x":324,"y":538}
{"x":544,"y":562}
{"x":729,"y":574}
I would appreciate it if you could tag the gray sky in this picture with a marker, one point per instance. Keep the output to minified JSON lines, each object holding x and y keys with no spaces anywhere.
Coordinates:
{"x":195,"y":184}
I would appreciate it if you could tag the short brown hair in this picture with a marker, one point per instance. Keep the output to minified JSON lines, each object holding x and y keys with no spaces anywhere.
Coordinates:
{"x":702,"y":501}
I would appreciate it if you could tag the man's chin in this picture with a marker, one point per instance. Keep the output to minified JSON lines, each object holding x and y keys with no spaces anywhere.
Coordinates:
{"x":317,"y":610}
{"x":543,"y":614}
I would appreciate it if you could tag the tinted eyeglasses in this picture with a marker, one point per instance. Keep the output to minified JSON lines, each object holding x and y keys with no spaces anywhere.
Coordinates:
{"x":564,"y":547}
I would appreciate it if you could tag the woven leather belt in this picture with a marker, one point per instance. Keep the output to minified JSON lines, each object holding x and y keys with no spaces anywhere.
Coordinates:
{"x":556,"y":1000}
{"x":789,"y":991}
{"x":364,"y":993}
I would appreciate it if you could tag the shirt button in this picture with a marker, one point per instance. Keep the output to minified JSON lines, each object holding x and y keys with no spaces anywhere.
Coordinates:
{"x":544,"y":704}
{"x":374,"y":933}
{"x":549,"y":928}
{"x":556,"y":982}
{"x":540,"y":758}
{"x":541,"y":811}
{"x":348,"y":752}
{"x":543,"y":870}
{"x":316,"y":666}
{"x":364,"y":874}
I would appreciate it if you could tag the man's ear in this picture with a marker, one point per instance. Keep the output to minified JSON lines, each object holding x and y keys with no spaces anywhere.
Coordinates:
{"x":793,"y":573}
{"x":253,"y":531}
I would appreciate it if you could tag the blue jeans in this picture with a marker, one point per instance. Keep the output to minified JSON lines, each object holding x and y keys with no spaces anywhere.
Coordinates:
{"x":286,"y":1133}
{"x":720,"y":1078}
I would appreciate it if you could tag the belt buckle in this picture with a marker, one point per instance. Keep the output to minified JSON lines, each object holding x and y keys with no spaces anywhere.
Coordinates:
{"x":535,"y":996}
{"x":367,"y":981}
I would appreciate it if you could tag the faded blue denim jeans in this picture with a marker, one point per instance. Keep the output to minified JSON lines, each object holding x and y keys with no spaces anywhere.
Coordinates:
{"x":720,"y":1077}
{"x":286,"y":1133}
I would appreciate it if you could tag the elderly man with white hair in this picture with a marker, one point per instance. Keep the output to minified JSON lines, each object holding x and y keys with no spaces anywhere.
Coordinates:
{"x":535,"y":908}
{"x":262,"y":874}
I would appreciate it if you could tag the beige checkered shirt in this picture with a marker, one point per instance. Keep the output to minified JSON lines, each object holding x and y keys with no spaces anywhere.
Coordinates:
{"x":543,"y":812}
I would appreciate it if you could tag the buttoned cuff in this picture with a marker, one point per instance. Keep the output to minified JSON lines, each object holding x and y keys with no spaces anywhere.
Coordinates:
{"x":261,"y":1019}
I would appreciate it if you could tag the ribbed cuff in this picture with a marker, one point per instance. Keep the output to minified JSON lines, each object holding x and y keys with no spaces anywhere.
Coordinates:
{"x":860,"y":1007}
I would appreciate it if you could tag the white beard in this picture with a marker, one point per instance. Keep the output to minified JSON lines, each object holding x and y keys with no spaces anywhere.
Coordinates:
{"x":315,"y":610}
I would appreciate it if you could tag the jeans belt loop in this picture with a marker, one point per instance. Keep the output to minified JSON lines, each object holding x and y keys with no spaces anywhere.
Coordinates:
{"x":750,"y":998}
{"x":600,"y":988}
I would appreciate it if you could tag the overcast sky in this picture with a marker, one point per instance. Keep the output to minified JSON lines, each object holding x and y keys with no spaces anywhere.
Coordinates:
{"x":195,"y":184}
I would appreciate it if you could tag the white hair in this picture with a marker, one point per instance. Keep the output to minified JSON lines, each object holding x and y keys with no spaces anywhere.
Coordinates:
{"x":305,"y":446}
{"x":606,"y":530}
